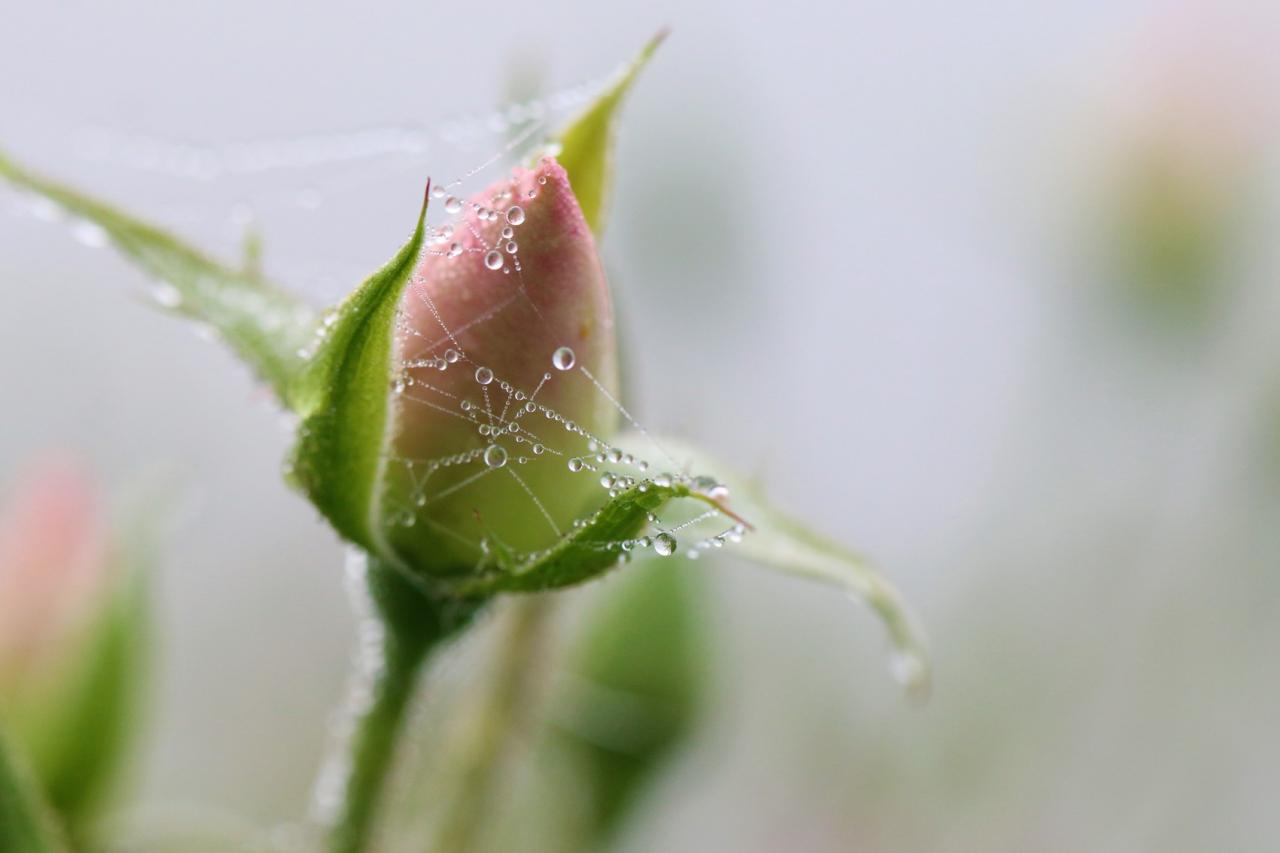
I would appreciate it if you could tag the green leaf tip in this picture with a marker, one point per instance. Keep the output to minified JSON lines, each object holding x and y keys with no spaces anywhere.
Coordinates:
{"x":343,"y":400}
{"x":262,"y":323}
{"x":585,"y":145}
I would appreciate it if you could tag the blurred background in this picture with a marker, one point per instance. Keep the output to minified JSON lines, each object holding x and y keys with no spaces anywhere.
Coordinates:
{"x":986,"y":290}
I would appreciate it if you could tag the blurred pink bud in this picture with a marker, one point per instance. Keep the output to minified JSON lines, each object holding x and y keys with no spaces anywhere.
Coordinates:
{"x":53,"y":560}
{"x":504,"y":326}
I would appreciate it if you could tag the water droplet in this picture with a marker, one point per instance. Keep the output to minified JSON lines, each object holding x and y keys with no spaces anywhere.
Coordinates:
{"x":606,"y":480}
{"x":563,"y":359}
{"x":90,"y":234}
{"x":437,"y":192}
{"x":493,"y":259}
{"x":538,"y":449}
{"x":508,"y":233}
{"x":542,"y":180}
{"x":495,"y":456}
{"x":484,"y":375}
{"x":453,"y":204}
{"x":615,"y":456}
{"x":910,"y":671}
{"x":451,"y":356}
{"x":664,"y":544}
{"x":575,"y":464}
{"x":512,"y":247}
{"x":515,"y":214}
{"x":166,"y":295}
{"x":531,"y":407}
{"x":455,"y":249}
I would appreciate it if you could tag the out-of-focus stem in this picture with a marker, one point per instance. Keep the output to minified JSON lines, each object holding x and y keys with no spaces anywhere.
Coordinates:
{"x":496,"y":720}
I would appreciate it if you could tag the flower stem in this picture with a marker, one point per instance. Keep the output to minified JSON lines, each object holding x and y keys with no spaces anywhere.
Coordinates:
{"x":407,"y":624}
{"x":496,"y":720}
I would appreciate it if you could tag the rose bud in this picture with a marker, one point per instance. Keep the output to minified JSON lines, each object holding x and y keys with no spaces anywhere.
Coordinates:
{"x":69,"y":626}
{"x":503,"y":326}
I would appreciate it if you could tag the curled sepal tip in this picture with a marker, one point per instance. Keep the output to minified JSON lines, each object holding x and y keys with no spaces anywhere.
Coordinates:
{"x":781,"y":542}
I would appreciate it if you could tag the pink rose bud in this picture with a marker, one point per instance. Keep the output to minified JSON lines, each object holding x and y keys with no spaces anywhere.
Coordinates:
{"x":53,"y":555}
{"x":505,"y":330}
{"x":72,"y":628}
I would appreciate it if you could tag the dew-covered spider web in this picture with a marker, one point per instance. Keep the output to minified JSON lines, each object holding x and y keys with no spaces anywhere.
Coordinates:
{"x":513,"y":431}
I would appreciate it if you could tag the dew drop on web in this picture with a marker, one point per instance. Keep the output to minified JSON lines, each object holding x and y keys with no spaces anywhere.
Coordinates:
{"x":495,"y":456}
{"x":563,"y":359}
{"x":664,"y":544}
{"x":515,"y":214}
{"x":453,"y":205}
{"x":493,"y":260}
{"x":484,"y":375}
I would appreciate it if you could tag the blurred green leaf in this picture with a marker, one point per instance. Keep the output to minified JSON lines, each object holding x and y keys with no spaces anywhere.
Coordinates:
{"x":26,"y":825}
{"x":782,"y":542}
{"x":88,"y":732}
{"x":638,"y":673}
{"x":263,"y":324}
{"x":585,"y":146}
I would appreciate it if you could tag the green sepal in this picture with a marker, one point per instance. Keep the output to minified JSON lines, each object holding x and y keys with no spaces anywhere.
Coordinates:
{"x":344,"y":399}
{"x":589,"y":550}
{"x":584,"y":147}
{"x":263,"y":324}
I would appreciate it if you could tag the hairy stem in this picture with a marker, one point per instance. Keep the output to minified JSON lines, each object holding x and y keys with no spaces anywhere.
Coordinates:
{"x":406,"y":624}
{"x":496,"y":719}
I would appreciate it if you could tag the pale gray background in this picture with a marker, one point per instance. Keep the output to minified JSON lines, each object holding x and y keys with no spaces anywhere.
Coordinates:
{"x":838,"y":238}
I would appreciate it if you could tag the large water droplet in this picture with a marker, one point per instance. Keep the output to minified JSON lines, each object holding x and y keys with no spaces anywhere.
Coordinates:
{"x":563,"y":359}
{"x":453,"y":204}
{"x":90,"y":234}
{"x":575,"y":464}
{"x":495,"y":456}
{"x":515,"y":214}
{"x":493,"y":260}
{"x":484,"y":375}
{"x":664,"y":544}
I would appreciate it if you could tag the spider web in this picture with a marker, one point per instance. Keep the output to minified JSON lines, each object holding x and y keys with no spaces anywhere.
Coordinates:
{"x":513,"y":431}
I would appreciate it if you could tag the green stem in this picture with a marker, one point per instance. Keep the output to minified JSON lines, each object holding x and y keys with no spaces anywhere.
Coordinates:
{"x":411,"y":624}
{"x":496,"y":720}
